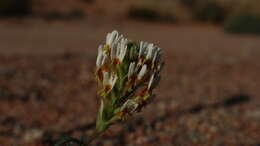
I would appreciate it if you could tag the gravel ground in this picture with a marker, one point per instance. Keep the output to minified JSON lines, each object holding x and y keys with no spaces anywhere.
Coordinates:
{"x":209,"y":94}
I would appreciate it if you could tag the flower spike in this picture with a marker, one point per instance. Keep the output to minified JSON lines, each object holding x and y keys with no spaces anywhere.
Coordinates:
{"x":124,"y":68}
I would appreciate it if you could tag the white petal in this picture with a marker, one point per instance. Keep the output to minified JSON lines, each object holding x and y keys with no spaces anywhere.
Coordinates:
{"x":113,"y":52}
{"x":113,"y":80}
{"x":114,"y":33}
{"x":142,"y":72}
{"x":100,"y":49}
{"x":159,"y":49}
{"x":159,"y":67}
{"x":118,"y":50}
{"x":150,"y":49}
{"x":155,"y":56}
{"x":103,"y":59}
{"x":111,"y":38}
{"x":100,"y":56}
{"x":143,"y":46}
{"x":151,"y":81}
{"x":117,"y":42}
{"x":119,"y":38}
{"x":131,"y":69}
{"x":159,"y":52}
{"x":106,"y":80}
{"x":123,"y":49}
{"x":108,"y":39}
{"x":130,"y":105}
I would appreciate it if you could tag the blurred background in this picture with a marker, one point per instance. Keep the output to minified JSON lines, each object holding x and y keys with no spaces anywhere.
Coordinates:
{"x":209,"y":93}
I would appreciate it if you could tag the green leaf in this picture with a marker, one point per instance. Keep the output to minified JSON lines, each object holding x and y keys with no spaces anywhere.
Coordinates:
{"x":100,"y":114}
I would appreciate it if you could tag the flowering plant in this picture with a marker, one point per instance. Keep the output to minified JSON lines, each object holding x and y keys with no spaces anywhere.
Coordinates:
{"x":126,"y":73}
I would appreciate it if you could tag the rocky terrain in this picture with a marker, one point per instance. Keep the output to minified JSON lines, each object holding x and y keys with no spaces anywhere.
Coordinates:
{"x":209,"y":94}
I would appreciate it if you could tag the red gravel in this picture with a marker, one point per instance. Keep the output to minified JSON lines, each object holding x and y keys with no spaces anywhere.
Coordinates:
{"x":209,"y":94}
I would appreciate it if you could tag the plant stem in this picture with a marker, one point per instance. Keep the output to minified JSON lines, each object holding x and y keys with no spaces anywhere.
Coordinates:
{"x":68,"y":140}
{"x":92,"y":138}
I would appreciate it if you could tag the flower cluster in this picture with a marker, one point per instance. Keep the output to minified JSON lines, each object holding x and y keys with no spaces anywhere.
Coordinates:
{"x":126,"y":72}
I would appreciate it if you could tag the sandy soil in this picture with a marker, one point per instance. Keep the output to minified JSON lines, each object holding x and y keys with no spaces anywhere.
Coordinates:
{"x":209,"y":94}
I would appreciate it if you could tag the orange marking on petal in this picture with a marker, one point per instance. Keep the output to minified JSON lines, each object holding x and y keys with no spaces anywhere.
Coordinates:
{"x":100,"y":74}
{"x":132,"y":79}
{"x":148,"y":62}
{"x":125,"y":113}
{"x":144,"y":92}
{"x":105,"y":68}
{"x":107,"y":88}
{"x":141,"y":60}
{"x":116,"y":61}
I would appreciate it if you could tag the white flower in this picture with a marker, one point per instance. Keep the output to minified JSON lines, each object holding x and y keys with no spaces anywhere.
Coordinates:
{"x":147,"y":51}
{"x":156,"y":54}
{"x":150,"y":49}
{"x":119,"y":50}
{"x":143,"y":46}
{"x":159,"y":67}
{"x":131,"y":70}
{"x":150,"y":82}
{"x":142,"y":72}
{"x":129,"y":106}
{"x":123,"y":49}
{"x":101,"y":58}
{"x":112,"y":38}
{"x":109,"y":81}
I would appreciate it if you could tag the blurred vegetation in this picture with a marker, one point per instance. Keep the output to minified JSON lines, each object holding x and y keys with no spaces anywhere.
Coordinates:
{"x":227,"y":12}
{"x":72,"y":15}
{"x":189,"y":3}
{"x":15,"y":8}
{"x":149,"y":14}
{"x":243,"y":23}
{"x":89,"y":1}
{"x":40,"y":8}
{"x":211,"y":12}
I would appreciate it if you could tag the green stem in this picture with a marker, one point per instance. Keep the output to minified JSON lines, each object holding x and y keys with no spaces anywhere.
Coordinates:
{"x":92,"y":138}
